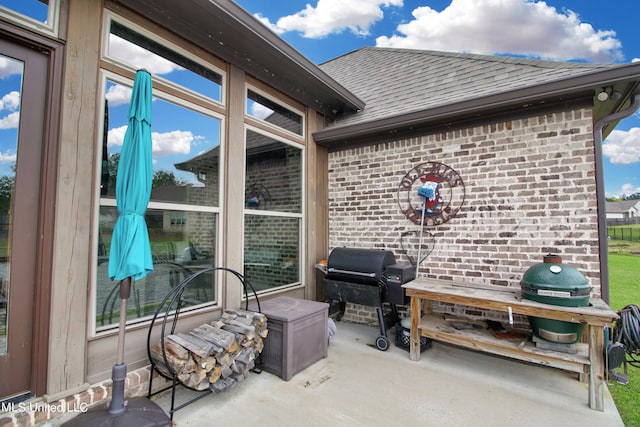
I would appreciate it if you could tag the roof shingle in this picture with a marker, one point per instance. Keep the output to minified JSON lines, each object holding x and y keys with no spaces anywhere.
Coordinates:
{"x":394,"y":81}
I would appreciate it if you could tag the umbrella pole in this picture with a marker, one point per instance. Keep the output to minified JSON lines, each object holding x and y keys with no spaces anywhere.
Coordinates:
{"x":119,"y":370}
{"x":125,"y":292}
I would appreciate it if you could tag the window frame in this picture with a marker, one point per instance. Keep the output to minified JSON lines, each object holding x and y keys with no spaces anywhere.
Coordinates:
{"x":301,"y":216}
{"x":170,"y":86}
{"x":168,"y":92}
{"x":51,"y":27}
{"x":270,"y":126}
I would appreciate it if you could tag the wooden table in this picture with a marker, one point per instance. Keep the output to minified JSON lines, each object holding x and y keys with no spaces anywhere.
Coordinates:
{"x":588,"y":361}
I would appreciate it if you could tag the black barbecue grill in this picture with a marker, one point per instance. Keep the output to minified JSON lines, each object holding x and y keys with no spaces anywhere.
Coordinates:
{"x":368,"y":277}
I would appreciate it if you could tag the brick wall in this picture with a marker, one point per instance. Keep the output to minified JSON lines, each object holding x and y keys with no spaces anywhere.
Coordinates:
{"x":530,"y":190}
{"x":40,"y":413}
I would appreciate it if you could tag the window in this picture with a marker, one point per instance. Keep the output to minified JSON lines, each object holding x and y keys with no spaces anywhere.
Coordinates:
{"x":261,"y":107}
{"x":183,"y":213}
{"x":10,"y":115}
{"x":273,"y":212}
{"x":129,"y":47}
{"x":36,"y":14}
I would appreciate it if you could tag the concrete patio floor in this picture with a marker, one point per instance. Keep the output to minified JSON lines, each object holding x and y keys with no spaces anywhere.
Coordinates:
{"x":358,"y":385}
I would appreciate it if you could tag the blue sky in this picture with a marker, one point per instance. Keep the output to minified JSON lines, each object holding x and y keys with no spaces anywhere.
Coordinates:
{"x":564,"y":30}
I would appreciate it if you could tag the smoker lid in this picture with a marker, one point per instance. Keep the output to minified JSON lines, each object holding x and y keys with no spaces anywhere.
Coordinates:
{"x":553,"y":275}
{"x":360,"y":260}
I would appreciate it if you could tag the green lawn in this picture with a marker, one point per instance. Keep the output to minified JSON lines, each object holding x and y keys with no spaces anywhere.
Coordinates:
{"x":624,"y":289}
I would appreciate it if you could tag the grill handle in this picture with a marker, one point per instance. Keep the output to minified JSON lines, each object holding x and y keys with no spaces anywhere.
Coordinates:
{"x":355,"y":273}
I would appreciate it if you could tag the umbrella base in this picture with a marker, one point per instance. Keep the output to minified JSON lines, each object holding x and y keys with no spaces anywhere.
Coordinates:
{"x":139,"y":412}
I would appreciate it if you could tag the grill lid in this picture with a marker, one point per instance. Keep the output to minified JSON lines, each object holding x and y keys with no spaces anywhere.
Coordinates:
{"x":357,"y":264}
{"x":552,"y":279}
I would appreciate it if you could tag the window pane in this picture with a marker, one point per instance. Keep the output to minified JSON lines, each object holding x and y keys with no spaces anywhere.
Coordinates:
{"x":138,"y":51}
{"x":271,"y":251}
{"x":265,"y":109}
{"x":34,"y":9}
{"x":10,"y":119}
{"x":186,"y":149}
{"x":182,"y":243}
{"x":273,"y":175}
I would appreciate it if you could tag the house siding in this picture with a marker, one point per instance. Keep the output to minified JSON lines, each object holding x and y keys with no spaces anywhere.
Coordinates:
{"x":530,"y":190}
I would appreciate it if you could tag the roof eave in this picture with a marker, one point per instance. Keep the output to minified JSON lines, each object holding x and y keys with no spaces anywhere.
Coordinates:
{"x":237,"y":37}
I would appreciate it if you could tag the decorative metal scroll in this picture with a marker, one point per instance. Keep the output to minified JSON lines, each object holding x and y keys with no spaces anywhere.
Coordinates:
{"x":434,"y":187}
{"x":257,"y":196}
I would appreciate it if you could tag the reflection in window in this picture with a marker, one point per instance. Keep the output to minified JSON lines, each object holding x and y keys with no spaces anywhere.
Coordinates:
{"x":186,"y":145}
{"x":271,"y":251}
{"x":265,"y":109}
{"x":273,"y":175}
{"x":139,"y":51}
{"x":185,"y":150}
{"x":273,"y":212}
{"x":178,"y":251}
{"x":10,"y":117}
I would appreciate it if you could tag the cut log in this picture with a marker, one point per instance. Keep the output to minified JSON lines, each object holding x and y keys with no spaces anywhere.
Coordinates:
{"x":196,"y":345}
{"x":174,"y":349}
{"x":247,"y":330}
{"x":215,"y":374}
{"x":206,"y":363}
{"x":216,"y":336}
{"x":224,"y":384}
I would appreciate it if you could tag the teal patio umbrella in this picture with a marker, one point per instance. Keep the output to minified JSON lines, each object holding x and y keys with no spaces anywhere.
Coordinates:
{"x":130,"y":254}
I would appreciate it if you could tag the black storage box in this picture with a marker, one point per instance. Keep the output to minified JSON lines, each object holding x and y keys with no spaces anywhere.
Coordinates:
{"x":403,"y":336}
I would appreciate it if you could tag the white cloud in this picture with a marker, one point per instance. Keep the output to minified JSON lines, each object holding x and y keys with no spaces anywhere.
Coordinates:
{"x":333,"y":16}
{"x":10,"y":101}
{"x":139,"y":57}
{"x":623,"y":147}
{"x":629,"y":189}
{"x":11,"y":121}
{"x":174,"y":142}
{"x":520,"y":27}
{"x":265,"y":21}
{"x":164,"y":144}
{"x":8,"y":157}
{"x":9,"y":67}
{"x":115,"y":136}
{"x":118,"y":95}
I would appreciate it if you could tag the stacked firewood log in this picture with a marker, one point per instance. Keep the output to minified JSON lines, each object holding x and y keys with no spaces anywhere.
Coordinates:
{"x":215,"y":355}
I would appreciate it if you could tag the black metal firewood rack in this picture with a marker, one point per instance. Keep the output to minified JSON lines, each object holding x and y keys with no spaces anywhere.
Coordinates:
{"x":169,"y":312}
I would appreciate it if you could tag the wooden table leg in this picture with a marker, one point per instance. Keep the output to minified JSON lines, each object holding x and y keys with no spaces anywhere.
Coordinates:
{"x":414,"y":349}
{"x":596,"y":369}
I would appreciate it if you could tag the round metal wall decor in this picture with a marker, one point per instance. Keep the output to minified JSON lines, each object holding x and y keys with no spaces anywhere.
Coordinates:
{"x":433,"y":187}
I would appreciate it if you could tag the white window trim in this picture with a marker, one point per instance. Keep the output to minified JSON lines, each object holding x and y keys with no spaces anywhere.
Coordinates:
{"x":106,"y":28}
{"x":252,"y":88}
{"x":94,"y":331}
{"x":49,"y":28}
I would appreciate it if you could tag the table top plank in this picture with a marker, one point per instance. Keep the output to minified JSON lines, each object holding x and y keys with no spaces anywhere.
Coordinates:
{"x":597,"y":313}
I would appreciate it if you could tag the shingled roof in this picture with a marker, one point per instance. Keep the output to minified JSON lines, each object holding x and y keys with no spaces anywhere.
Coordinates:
{"x":404,"y":86}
